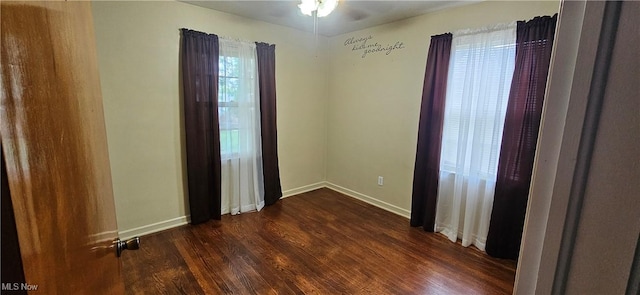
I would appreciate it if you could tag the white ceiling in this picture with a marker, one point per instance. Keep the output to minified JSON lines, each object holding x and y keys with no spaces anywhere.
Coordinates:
{"x":349,"y":16}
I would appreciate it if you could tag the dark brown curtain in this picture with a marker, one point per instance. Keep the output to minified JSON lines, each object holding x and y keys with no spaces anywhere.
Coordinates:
{"x":427,"y":166}
{"x":267,"y":79}
{"x":533,"y":53}
{"x":199,"y":59}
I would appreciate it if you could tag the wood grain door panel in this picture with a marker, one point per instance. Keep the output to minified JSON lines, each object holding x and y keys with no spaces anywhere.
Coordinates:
{"x":54,"y":142}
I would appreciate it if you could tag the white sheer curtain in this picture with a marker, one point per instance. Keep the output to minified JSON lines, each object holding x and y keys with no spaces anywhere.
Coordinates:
{"x":480,"y":73}
{"x":239,"y":115}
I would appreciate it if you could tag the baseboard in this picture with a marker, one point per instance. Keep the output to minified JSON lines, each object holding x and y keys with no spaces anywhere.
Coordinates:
{"x":303,"y":189}
{"x":154,"y":227}
{"x":182,"y":220}
{"x":370,"y":200}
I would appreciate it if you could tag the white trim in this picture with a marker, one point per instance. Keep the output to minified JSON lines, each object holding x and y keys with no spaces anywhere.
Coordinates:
{"x":154,"y":227}
{"x":182,"y":220}
{"x":370,"y":200}
{"x":303,"y":189}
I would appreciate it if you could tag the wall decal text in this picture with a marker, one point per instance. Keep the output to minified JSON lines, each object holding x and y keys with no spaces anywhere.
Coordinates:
{"x":366,"y":45}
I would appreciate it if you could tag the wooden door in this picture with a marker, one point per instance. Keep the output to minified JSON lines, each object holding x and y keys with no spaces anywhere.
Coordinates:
{"x":54,"y":142}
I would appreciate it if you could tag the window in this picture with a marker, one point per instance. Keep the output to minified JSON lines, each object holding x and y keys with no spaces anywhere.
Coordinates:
{"x":236,"y":100}
{"x":239,"y":122}
{"x":228,"y":105}
{"x":480,"y":72}
{"x":480,"y":75}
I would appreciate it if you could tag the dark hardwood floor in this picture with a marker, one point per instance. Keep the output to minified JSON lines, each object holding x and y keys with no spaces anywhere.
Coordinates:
{"x":320,"y":242}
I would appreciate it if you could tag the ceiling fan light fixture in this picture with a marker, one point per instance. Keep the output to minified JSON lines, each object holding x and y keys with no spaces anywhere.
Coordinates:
{"x":326,"y":7}
{"x":321,"y":7}
{"x":307,"y":7}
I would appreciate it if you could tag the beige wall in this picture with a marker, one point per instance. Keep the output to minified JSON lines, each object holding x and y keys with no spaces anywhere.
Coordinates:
{"x":347,"y":119}
{"x":374,"y":103}
{"x":138,"y":56}
{"x":341,"y":118}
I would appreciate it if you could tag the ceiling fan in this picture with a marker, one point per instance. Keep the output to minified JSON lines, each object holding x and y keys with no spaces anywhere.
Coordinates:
{"x":319,"y":8}
{"x":343,"y":9}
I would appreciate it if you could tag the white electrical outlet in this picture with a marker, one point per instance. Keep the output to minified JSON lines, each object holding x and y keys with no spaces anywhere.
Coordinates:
{"x":380,"y":180}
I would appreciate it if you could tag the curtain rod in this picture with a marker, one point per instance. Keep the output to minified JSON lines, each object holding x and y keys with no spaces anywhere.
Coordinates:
{"x":226,"y":37}
{"x":235,"y":39}
{"x":241,"y":40}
